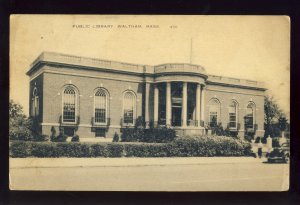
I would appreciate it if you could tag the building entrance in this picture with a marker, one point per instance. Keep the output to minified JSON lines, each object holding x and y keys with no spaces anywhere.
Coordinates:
{"x":176,"y":116}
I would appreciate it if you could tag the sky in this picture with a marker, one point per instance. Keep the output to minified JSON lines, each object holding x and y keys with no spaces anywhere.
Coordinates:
{"x":249,"y":47}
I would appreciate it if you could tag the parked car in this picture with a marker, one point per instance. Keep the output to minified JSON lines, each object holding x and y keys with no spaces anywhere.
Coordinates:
{"x":279,"y":154}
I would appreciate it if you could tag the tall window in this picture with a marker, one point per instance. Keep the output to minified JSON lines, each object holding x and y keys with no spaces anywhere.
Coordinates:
{"x":35,"y":103}
{"x":249,"y":118}
{"x":69,"y":105}
{"x":233,"y":115}
{"x":129,"y":107}
{"x":101,"y":106}
{"x":214,"y":112}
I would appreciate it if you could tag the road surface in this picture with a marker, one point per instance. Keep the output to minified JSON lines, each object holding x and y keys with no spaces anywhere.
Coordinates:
{"x":237,"y":176}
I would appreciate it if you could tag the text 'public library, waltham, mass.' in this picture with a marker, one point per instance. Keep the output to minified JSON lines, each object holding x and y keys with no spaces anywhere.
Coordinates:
{"x":96,"y":98}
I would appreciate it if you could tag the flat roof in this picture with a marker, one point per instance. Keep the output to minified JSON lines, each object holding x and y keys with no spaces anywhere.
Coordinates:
{"x":66,"y":59}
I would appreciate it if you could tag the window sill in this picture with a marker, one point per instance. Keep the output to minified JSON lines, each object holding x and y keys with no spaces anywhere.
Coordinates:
{"x":100,"y":124}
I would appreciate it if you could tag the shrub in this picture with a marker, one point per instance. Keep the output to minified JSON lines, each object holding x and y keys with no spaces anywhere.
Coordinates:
{"x":98,"y":150}
{"x":45,"y":149}
{"x":140,"y":134}
{"x":217,"y":130}
{"x":181,"y":147}
{"x":211,"y":146}
{"x":247,"y":148}
{"x":20,"y":127}
{"x":60,"y":138}
{"x":158,"y":135}
{"x":249,"y":135}
{"x":41,"y":138}
{"x":20,"y":149}
{"x":75,"y":138}
{"x":116,"y":137}
{"x":146,"y":150}
{"x":115,"y":150}
{"x":129,"y":135}
{"x":73,"y":150}
{"x":19,"y":130}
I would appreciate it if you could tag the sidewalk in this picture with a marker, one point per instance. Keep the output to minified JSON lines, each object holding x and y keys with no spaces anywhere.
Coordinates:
{"x":126,"y":162}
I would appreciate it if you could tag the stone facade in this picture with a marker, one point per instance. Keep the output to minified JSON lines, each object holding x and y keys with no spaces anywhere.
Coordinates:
{"x":182,"y":96}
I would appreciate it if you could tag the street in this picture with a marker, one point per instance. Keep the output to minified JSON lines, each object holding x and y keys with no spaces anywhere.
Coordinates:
{"x":173,"y":176}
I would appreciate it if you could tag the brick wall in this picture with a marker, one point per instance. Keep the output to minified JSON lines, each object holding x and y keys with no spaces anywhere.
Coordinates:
{"x":53,"y":89}
{"x":242,"y":97}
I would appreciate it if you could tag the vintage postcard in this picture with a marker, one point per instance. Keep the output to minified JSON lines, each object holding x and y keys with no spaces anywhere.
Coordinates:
{"x":149,"y":103}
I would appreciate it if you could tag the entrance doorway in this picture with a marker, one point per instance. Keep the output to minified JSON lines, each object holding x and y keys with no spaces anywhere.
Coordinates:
{"x":176,"y":116}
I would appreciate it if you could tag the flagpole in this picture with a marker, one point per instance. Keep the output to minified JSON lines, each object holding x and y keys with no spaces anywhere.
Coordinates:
{"x":191,"y":51}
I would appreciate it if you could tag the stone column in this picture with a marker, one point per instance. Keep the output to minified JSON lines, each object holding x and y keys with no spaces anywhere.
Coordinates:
{"x":156,"y":100}
{"x":198,"y":117}
{"x":147,"y":89}
{"x":202,"y":103}
{"x":168,"y":104}
{"x":184,"y":104}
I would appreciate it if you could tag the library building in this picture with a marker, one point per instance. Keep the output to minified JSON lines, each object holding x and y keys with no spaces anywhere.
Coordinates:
{"x":95,"y":98}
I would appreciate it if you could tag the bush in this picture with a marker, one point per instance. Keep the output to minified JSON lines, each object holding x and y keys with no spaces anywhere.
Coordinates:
{"x":60,"y":138}
{"x":44,"y":150}
{"x":249,"y":135}
{"x":75,"y":138}
{"x":159,"y":135}
{"x":116,"y":137}
{"x":73,"y":150}
{"x":20,"y":127}
{"x":181,"y":147}
{"x":146,"y":150}
{"x":129,"y":135}
{"x":41,"y":138}
{"x":115,"y":150}
{"x":20,"y":149}
{"x":211,"y":146}
{"x":98,"y":150}
{"x":217,"y":130}
{"x":18,"y":130}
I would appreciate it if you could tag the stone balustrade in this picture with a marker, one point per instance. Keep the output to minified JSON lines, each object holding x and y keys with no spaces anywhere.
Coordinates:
{"x":89,"y":62}
{"x":179,"y":67}
{"x":235,"y":81}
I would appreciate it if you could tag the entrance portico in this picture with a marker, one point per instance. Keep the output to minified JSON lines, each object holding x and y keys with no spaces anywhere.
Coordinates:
{"x":179,"y":96}
{"x":178,"y":104}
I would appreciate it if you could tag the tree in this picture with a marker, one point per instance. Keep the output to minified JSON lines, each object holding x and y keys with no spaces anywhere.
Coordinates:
{"x":272,"y":111}
{"x":19,"y":124}
{"x":282,"y":122}
{"x":272,"y":115}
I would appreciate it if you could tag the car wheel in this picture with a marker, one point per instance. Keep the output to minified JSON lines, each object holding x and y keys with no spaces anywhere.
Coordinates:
{"x":270,"y":160}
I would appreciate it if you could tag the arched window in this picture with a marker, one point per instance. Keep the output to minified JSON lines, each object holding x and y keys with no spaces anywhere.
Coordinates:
{"x":249,"y":118}
{"x":233,"y":108}
{"x":101,"y":106}
{"x":69,"y":104}
{"x":129,"y":107}
{"x":214,"y":112}
{"x":35,"y":103}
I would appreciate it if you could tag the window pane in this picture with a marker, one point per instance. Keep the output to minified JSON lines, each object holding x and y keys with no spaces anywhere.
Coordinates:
{"x":249,"y":116}
{"x":129,"y":103}
{"x":100,"y":106}
{"x":213,"y":119}
{"x":214,"y":109}
{"x":232,"y":115}
{"x":232,"y":120}
{"x":69,"y":105}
